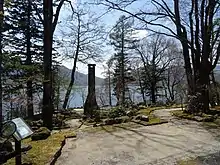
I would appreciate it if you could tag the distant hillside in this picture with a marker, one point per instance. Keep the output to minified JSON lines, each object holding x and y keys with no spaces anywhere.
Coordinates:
{"x":217,"y":73}
{"x":80,"y":78}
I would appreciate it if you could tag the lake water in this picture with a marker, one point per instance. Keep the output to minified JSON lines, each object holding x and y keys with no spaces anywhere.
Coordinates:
{"x":77,"y":99}
{"x":79,"y":95}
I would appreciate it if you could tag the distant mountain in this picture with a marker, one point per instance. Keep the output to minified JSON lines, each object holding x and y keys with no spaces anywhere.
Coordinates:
{"x":217,"y":73}
{"x":80,"y":78}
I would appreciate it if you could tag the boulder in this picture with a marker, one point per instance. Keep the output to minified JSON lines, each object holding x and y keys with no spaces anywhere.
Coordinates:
{"x":41,"y":134}
{"x":125,"y":119}
{"x":109,"y":121}
{"x":6,"y":145}
{"x":209,"y":118}
{"x":138,"y":117}
{"x":131,"y":113}
{"x":36,"y":124}
{"x":198,"y":118}
{"x":98,"y":124}
{"x":117,"y":120}
{"x":142,"y":118}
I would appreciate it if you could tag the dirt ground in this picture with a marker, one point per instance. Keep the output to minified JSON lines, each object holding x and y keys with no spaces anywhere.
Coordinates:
{"x":160,"y":144}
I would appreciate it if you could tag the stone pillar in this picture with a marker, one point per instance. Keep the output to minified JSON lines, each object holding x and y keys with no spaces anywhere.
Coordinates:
{"x":91,"y":104}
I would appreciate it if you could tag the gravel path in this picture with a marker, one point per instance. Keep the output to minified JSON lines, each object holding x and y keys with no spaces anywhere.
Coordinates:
{"x":160,"y":144}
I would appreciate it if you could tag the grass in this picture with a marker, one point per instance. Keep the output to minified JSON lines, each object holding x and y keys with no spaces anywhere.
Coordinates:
{"x":215,"y":124}
{"x":110,"y":128}
{"x":201,"y":117}
{"x":43,"y":150}
{"x":182,"y":114}
{"x":148,"y":110}
{"x":122,"y":126}
{"x":187,"y":162}
{"x":118,"y":127}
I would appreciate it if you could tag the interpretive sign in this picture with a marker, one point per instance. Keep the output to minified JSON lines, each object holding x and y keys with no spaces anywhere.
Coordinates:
{"x":23,"y":130}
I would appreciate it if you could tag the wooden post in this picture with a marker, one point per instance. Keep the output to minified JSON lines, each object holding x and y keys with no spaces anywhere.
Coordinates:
{"x":18,"y":152}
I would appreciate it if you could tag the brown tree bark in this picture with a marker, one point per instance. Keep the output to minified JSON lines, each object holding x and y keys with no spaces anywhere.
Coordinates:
{"x":214,"y":88}
{"x":29,"y":89}
{"x":49,"y":28}
{"x":47,"y":111}
{"x":1,"y":47}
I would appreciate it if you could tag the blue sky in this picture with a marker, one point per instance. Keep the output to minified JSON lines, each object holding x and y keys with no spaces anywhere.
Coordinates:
{"x":109,"y":20}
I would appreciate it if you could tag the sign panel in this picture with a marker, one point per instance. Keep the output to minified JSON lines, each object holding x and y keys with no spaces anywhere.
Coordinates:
{"x":23,"y":130}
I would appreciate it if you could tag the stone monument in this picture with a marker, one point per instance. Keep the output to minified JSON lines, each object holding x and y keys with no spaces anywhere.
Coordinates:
{"x":91,"y":104}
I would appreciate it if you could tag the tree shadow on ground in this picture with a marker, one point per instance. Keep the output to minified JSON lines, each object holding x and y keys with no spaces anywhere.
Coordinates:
{"x":170,"y":140}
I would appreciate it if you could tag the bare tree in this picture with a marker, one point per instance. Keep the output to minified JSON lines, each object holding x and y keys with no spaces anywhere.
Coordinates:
{"x":108,"y":73}
{"x":196,"y":29}
{"x":155,"y":59}
{"x":174,"y":76}
{"x":83,"y":42}
{"x":138,"y":68}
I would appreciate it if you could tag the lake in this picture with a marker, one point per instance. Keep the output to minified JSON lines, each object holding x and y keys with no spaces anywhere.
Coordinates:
{"x":77,"y":99}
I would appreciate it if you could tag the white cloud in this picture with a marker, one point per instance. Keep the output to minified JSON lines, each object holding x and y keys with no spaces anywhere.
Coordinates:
{"x":140,"y":34}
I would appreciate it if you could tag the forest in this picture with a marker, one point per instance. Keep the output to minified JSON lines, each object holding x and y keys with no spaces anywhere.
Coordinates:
{"x":165,"y":50}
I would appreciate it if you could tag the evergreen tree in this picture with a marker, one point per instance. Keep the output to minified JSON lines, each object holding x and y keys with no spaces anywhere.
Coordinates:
{"x":122,"y":38}
{"x":25,"y":41}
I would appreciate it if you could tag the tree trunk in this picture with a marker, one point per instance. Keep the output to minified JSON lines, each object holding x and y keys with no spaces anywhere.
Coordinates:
{"x":30,"y":108}
{"x":141,"y":87}
{"x":153,"y":94}
{"x":68,"y":92}
{"x":204,"y":88}
{"x":47,"y":111}
{"x":1,"y":47}
{"x":109,"y":88}
{"x":29,"y":89}
{"x":216,"y":91}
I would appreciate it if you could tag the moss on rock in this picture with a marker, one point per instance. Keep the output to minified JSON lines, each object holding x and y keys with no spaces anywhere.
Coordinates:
{"x":41,"y":134}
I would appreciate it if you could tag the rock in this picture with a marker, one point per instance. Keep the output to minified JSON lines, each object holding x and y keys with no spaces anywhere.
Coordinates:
{"x":109,"y":121}
{"x":25,"y":148}
{"x":209,"y":118}
{"x":117,"y":120}
{"x":125,"y":119}
{"x":132,"y":112}
{"x":41,"y":134}
{"x":34,"y":128}
{"x":84,"y":117}
{"x":66,"y":112}
{"x":6,"y":145}
{"x":36,"y":124}
{"x":142,"y":118}
{"x":71,"y":135}
{"x":138,"y":117}
{"x":198,"y":118}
